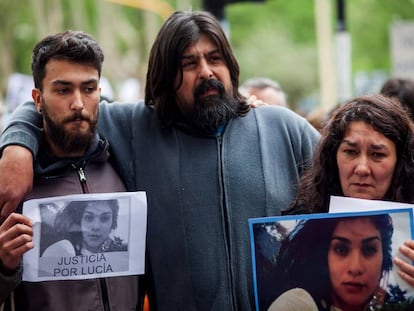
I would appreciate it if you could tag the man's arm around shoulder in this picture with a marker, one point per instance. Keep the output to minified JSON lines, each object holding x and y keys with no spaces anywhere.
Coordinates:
{"x":16,"y":171}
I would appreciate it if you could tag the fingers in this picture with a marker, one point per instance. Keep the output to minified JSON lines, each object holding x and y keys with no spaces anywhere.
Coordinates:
{"x":406,"y":270}
{"x":257,"y":103}
{"x":13,"y":221}
{"x":251,"y":99}
{"x":407,"y":249}
{"x":254,"y":102}
{"x":16,"y":238}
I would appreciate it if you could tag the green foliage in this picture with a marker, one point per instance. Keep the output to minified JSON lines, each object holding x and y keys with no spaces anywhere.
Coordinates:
{"x":277,"y":38}
{"x":274,"y":38}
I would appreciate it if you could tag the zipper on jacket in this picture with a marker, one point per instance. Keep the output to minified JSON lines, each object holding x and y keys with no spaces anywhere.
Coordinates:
{"x":226,"y":222}
{"x":85,"y":189}
{"x":82,"y":179}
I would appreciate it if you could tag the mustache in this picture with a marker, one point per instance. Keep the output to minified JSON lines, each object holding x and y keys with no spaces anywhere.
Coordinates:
{"x":208,"y":84}
{"x":77,"y":116}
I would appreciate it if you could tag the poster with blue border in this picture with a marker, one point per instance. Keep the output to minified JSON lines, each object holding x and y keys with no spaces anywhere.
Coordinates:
{"x":327,"y":261}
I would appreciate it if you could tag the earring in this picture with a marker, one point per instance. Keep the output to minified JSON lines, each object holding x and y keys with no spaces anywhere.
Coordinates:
{"x":378,"y":299}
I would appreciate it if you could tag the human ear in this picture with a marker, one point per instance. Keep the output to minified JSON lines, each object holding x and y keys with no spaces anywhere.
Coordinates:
{"x":37,"y":96}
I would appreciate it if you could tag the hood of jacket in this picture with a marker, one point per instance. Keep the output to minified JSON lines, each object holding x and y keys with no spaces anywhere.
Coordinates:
{"x":47,"y":164}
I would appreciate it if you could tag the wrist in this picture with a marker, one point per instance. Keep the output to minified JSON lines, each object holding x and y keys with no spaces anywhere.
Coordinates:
{"x":7,"y":271}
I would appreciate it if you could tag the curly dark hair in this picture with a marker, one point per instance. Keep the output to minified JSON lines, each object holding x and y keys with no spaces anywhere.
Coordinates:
{"x":387,"y":117}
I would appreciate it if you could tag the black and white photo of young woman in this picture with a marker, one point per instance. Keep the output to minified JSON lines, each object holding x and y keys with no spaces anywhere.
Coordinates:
{"x":82,"y":228}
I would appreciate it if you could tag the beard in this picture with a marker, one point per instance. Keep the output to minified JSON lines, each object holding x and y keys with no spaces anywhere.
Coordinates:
{"x":70,"y":142}
{"x":213,"y":111}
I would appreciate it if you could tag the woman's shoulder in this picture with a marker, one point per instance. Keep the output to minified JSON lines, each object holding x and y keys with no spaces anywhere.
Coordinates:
{"x":62,"y":248}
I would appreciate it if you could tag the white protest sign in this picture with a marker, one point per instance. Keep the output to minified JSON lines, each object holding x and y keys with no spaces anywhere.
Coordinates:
{"x":86,"y":236}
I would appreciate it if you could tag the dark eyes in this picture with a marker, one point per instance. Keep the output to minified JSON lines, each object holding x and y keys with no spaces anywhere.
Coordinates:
{"x":90,"y":89}
{"x":343,"y":250}
{"x":103,"y":218}
{"x":350,"y":151}
{"x":354,"y":152}
{"x":188,"y":64}
{"x":215,"y":58}
{"x":378,"y":155}
{"x":369,"y":250}
{"x":63,"y":91}
{"x":211,"y":59}
{"x":68,"y":90}
{"x":88,"y":218}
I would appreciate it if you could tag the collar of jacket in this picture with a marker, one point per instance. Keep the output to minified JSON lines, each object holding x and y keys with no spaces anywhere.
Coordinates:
{"x":47,"y":164}
{"x":194,"y":130}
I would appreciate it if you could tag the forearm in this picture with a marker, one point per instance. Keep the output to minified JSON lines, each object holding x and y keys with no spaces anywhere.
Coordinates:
{"x":23,"y":129}
{"x":16,"y":169}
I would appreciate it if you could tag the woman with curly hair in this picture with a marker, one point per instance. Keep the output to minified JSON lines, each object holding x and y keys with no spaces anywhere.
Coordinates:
{"x":366,"y":151}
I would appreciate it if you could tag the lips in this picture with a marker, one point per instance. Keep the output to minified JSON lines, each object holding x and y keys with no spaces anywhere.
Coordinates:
{"x":210,"y":91}
{"x":361,"y":185}
{"x":94,"y":237}
{"x":354,"y":287}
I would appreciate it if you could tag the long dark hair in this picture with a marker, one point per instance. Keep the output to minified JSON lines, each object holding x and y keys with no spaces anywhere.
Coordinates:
{"x":387,"y":117}
{"x":304,"y":255}
{"x":179,"y":31}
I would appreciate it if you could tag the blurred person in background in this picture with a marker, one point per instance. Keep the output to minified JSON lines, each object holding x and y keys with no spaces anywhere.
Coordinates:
{"x":266,"y":90}
{"x":403,"y":90}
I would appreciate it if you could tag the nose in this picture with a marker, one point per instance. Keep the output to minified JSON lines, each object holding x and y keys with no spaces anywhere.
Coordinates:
{"x":77,"y":102}
{"x":355,"y":264}
{"x":362,"y":167}
{"x":95,"y":225}
{"x":205,"y":71}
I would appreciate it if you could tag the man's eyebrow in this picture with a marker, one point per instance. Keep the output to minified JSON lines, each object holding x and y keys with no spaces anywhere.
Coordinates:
{"x":192,"y":55}
{"x":93,"y":80}
{"x":65,"y":82}
{"x":188,"y":56}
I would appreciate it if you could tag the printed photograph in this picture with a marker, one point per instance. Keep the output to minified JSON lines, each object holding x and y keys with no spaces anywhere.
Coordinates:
{"x":341,"y":261}
{"x":81,"y":228}
{"x":85,"y":236}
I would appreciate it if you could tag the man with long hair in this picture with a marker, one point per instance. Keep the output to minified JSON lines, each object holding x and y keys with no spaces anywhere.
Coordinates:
{"x":206,"y":160}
